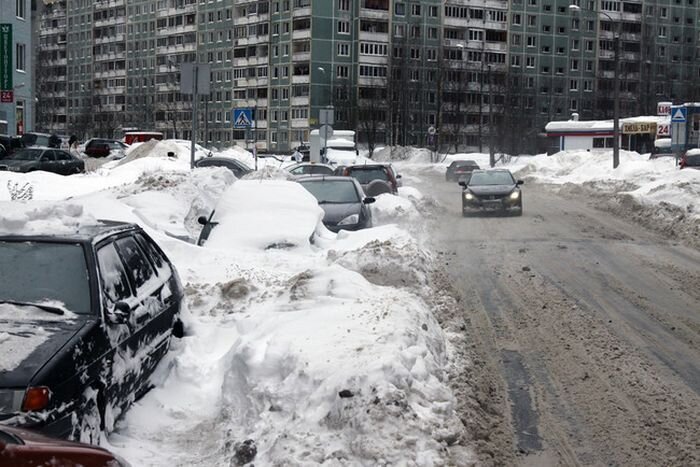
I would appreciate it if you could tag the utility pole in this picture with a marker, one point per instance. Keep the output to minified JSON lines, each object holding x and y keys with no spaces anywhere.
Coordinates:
{"x":616,"y":106}
{"x":195,"y":98}
{"x":492,"y":155}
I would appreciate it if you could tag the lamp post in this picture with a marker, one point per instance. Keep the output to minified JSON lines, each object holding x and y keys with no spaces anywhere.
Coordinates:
{"x":326,"y":115}
{"x":616,"y":84}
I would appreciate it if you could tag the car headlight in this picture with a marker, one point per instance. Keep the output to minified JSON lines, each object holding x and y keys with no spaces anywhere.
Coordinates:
{"x":515,"y":195}
{"x":354,"y":219}
{"x":468,"y":196}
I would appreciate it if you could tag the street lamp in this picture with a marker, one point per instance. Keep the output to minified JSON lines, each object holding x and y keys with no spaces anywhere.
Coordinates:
{"x":616,"y":84}
{"x":326,"y":115}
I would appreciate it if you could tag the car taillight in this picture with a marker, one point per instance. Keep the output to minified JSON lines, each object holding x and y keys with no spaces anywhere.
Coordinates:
{"x":36,"y":398}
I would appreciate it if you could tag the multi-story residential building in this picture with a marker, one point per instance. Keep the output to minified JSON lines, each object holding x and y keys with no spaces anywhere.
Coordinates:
{"x":390,"y":68}
{"x":17,"y":115}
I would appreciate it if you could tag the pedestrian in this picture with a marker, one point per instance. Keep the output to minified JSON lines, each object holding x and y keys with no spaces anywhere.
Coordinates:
{"x":73,"y":145}
{"x":298,"y":156}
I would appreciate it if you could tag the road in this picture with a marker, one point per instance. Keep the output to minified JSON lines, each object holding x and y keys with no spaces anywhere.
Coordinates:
{"x":583,"y":331}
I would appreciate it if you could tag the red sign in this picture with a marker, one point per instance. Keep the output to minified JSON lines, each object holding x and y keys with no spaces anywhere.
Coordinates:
{"x":7,"y":96}
{"x":663,"y":108}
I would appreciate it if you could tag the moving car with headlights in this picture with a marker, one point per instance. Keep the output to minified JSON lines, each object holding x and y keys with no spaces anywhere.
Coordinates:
{"x":492,"y":190}
{"x":85,"y":317}
{"x":20,"y":447}
{"x":343,"y":202}
{"x":460,"y":169}
{"x":46,"y":159}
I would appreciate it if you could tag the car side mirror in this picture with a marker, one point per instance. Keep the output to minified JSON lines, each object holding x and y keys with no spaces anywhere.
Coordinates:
{"x":202,"y":220}
{"x":119,"y":314}
{"x":519,"y":182}
{"x":369,"y":200}
{"x":462,"y":184}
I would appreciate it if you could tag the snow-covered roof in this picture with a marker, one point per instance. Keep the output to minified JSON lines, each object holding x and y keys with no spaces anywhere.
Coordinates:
{"x":601,"y":125}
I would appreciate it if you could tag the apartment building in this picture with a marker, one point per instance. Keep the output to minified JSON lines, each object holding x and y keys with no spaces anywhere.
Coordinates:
{"x":479,"y":70}
{"x":17,"y":105}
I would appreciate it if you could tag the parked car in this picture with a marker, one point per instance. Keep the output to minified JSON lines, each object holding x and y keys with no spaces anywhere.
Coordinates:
{"x":262,"y":215}
{"x":20,"y":447}
{"x":343,"y":201}
{"x":310,"y":168}
{"x":690,"y":160}
{"x":492,"y":190}
{"x":10,"y":144}
{"x":98,"y":147}
{"x":460,"y":169}
{"x":238,"y":168}
{"x":375,"y":178}
{"x":86,"y":317}
{"x":32,"y":139}
{"x":46,"y":159}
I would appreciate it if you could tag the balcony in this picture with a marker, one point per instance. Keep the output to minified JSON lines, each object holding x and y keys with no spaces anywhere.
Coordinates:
{"x":172,"y":49}
{"x":110,"y":39}
{"x":297,"y":123}
{"x":111,"y":74}
{"x":299,"y":101}
{"x":302,"y":34}
{"x":301,"y":79}
{"x":301,"y":12}
{"x":176,"y":30}
{"x":377,"y":37}
{"x":374,"y":14}
{"x":110,"y":21}
{"x":192,"y":8}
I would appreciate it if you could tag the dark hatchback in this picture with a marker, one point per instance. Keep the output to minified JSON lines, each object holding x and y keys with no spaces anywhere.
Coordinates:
{"x":460,"y":169}
{"x":690,"y":160}
{"x":46,"y":159}
{"x":84,"y":320}
{"x":492,"y":190}
{"x":343,"y":202}
{"x":375,"y":179}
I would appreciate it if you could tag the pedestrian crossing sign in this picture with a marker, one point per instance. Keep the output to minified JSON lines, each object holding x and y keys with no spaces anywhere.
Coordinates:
{"x":242,"y":118}
{"x":679,"y":114}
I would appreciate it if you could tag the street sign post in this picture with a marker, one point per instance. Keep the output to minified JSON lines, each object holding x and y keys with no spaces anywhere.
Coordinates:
{"x":194,"y":80}
{"x":326,"y":117}
{"x":242,"y":118}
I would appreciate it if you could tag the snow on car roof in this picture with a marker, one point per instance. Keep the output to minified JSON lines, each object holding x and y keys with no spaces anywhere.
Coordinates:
{"x":259,"y":214}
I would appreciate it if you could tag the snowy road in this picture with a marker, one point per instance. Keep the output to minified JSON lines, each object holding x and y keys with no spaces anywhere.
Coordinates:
{"x":585,"y":331}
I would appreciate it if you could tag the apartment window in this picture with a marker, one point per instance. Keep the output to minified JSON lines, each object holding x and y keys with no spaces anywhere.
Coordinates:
{"x":400,"y":9}
{"x":415,"y":10}
{"x":531,"y":41}
{"x":574,"y":44}
{"x":516,"y":19}
{"x":573,"y":105}
{"x":433,"y":11}
{"x":530,"y":62}
{"x":531,"y":20}
{"x":662,"y":31}
{"x":515,"y":60}
{"x":664,"y":12}
{"x":399,"y":30}
{"x":515,"y":39}
{"x":344,"y":5}
{"x":21,"y":8}
{"x":20,"y":59}
{"x":343,"y":49}
{"x":342,"y":71}
{"x":344,"y":27}
{"x":587,"y":85}
{"x":574,"y":65}
{"x":573,"y":85}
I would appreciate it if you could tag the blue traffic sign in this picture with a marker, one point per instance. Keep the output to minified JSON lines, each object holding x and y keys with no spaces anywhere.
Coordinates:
{"x":242,"y":118}
{"x":679,"y":114}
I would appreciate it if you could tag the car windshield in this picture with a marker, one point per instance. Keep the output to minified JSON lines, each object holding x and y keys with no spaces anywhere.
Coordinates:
{"x":364,"y":175}
{"x":492,"y":178}
{"x":45,"y":273}
{"x":693,"y":161}
{"x":27,"y":155}
{"x":332,"y":191}
{"x":464,"y":164}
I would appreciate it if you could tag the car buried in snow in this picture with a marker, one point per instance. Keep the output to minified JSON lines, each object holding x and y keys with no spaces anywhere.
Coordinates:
{"x":85,"y":317}
{"x":492,"y":190}
{"x":45,"y":159}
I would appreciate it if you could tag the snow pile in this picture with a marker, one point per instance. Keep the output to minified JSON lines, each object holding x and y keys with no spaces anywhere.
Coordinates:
{"x":650,"y":182}
{"x":42,"y":218}
{"x":390,"y":208}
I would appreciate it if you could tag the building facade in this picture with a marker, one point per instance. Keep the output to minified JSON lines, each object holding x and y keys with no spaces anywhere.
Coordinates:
{"x":17,"y":115}
{"x":481,"y":72}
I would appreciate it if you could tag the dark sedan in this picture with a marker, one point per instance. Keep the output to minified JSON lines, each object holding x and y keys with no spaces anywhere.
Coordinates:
{"x":85,"y":317}
{"x":342,"y":200}
{"x":238,"y":168}
{"x":492,"y":190}
{"x":46,"y":159}
{"x":460,"y":169}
